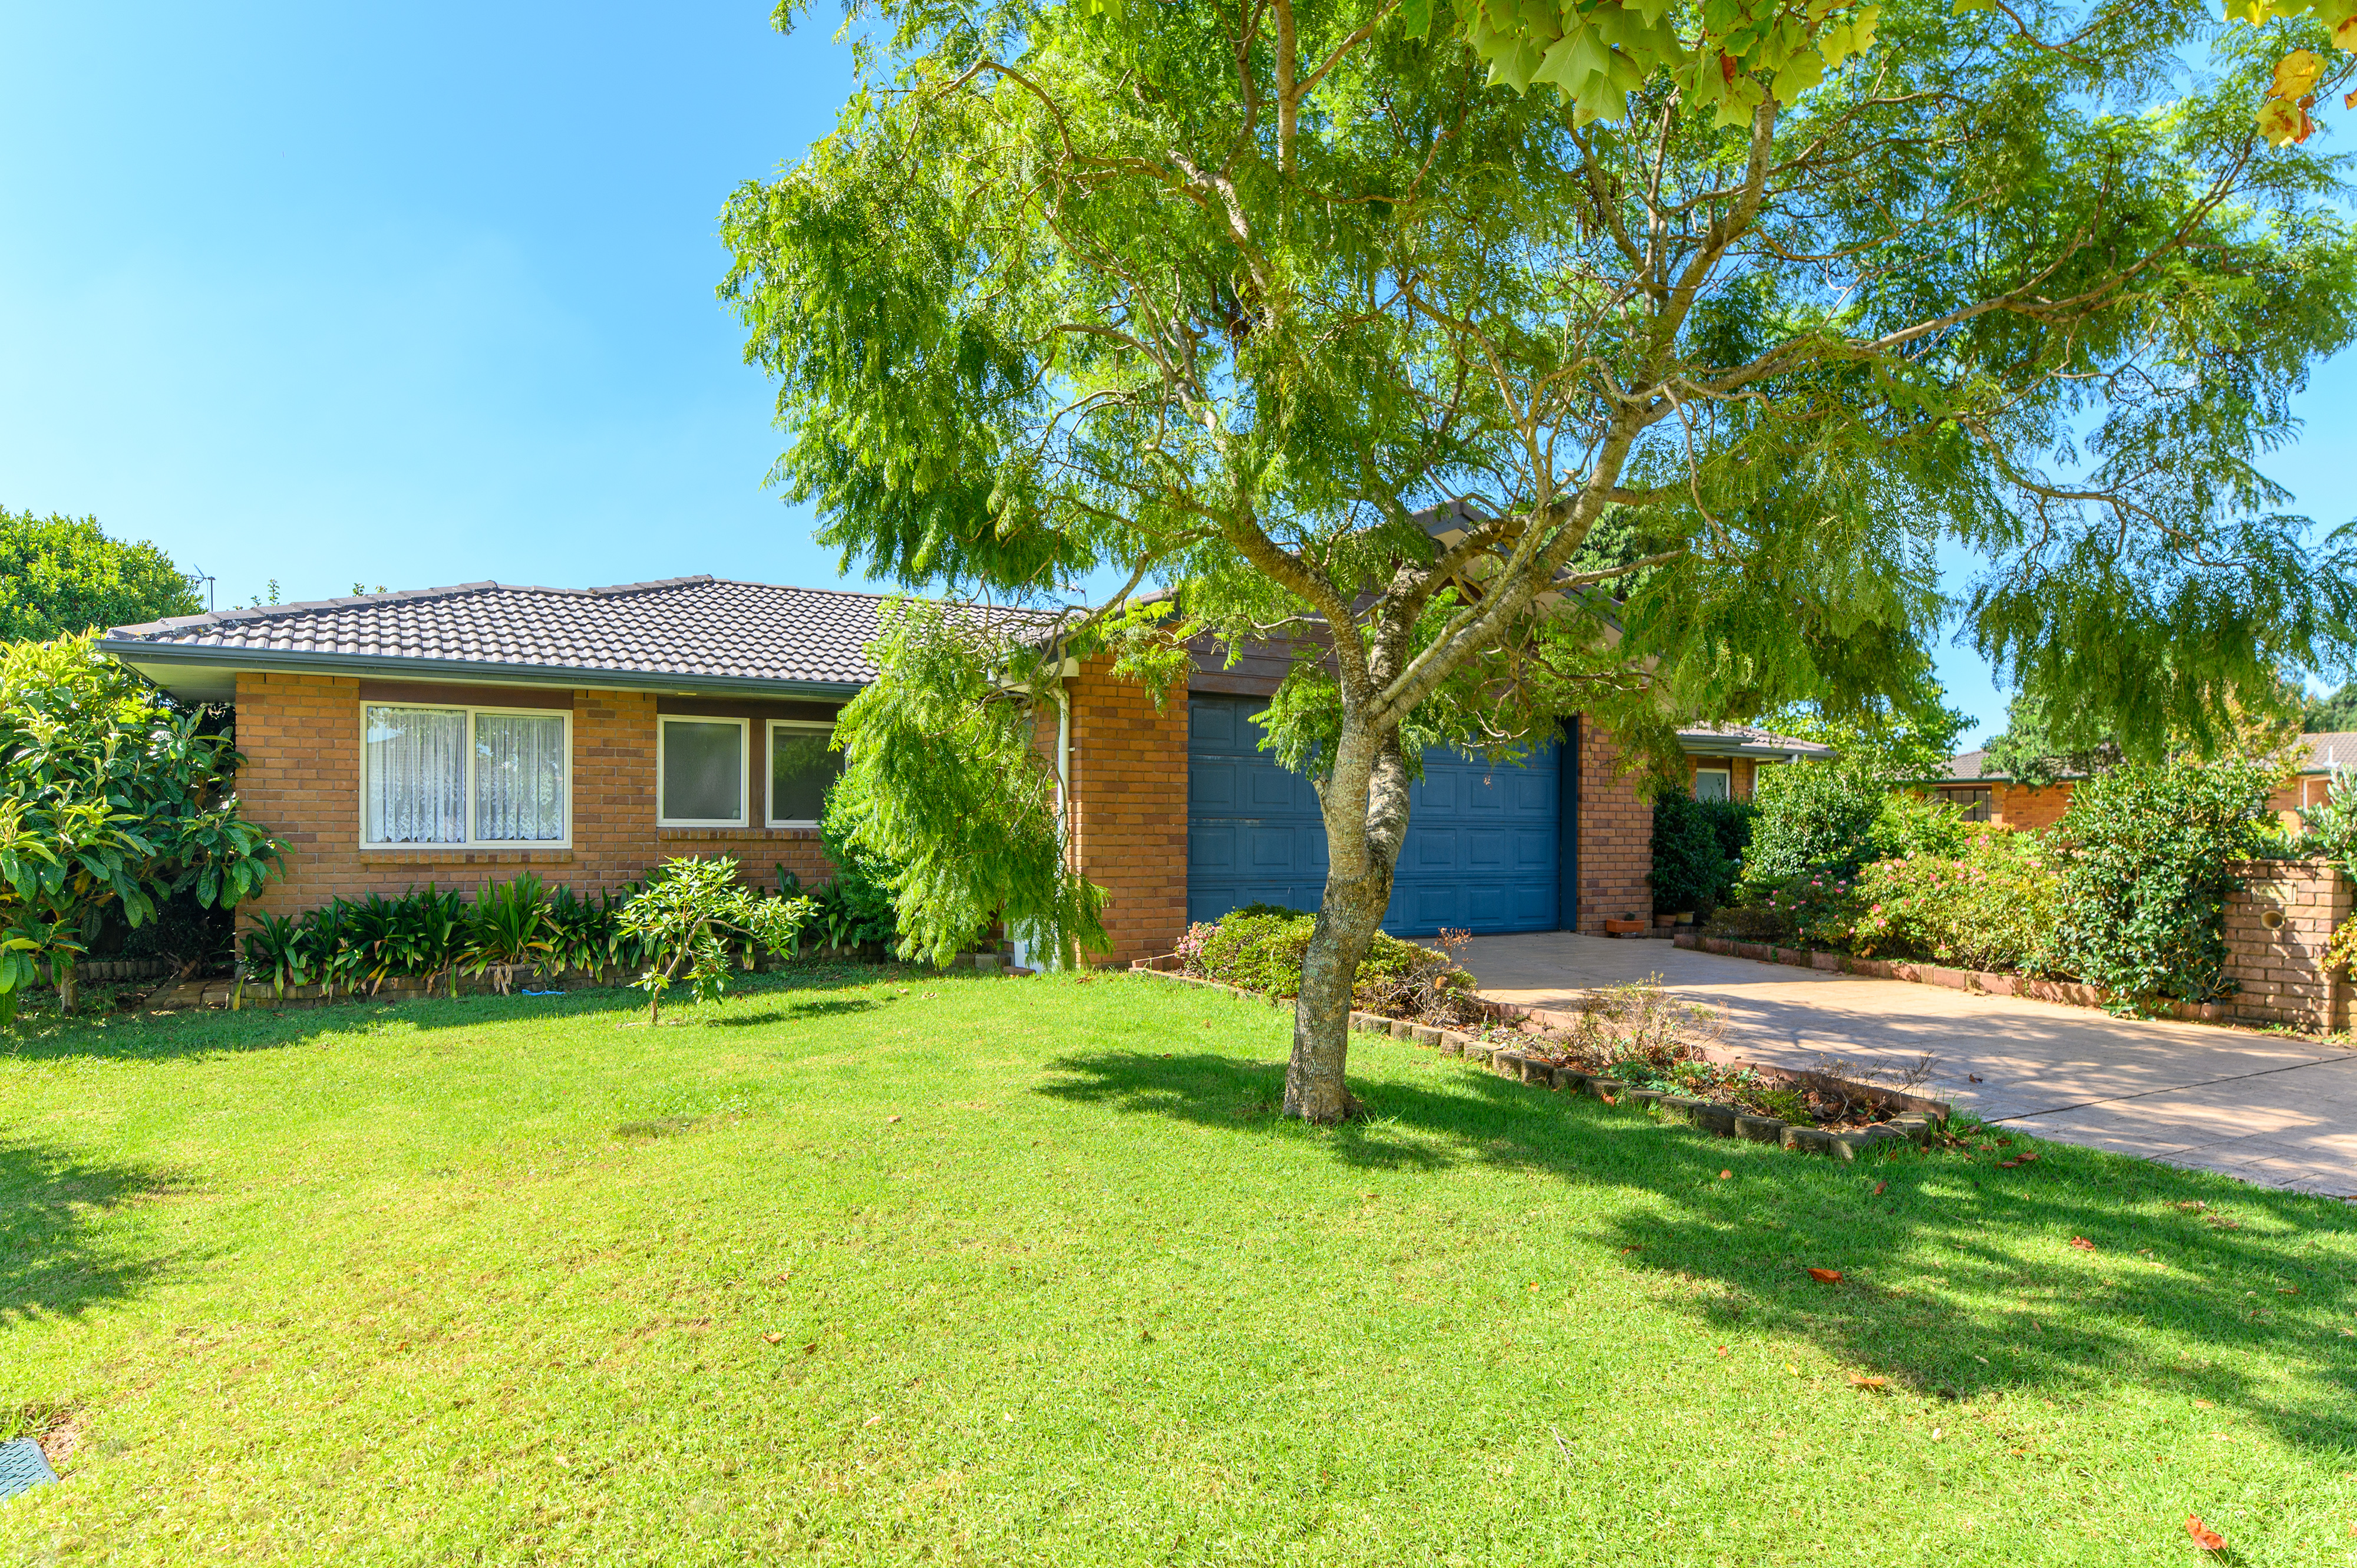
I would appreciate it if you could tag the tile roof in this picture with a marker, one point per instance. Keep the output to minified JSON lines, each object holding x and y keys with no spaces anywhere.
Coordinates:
{"x":2324,"y":751}
{"x":699,"y":627}
{"x":1745,"y":739}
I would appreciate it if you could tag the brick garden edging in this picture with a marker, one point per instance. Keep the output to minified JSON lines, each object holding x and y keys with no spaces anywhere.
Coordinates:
{"x":1980,"y":981}
{"x":1924,"y":1121}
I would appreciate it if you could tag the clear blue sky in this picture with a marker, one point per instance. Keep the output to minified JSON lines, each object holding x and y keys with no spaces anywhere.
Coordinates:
{"x":422,"y":294}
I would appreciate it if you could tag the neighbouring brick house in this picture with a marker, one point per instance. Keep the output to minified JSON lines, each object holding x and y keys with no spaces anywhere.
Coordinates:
{"x":1986,"y":795}
{"x":459,"y":735}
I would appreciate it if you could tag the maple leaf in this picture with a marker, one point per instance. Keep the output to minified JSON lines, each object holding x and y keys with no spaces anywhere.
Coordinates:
{"x":2207,"y":1539}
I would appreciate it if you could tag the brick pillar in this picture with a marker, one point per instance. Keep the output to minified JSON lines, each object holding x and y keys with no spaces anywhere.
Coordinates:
{"x":2276,"y":924}
{"x":1616,"y":837}
{"x":1129,"y":824}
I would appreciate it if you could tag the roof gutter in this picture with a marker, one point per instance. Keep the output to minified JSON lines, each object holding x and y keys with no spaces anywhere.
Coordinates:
{"x":1714,"y":745}
{"x":141,"y":655}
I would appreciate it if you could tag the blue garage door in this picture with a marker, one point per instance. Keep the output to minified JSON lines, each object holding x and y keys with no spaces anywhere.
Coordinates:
{"x":1481,"y":851}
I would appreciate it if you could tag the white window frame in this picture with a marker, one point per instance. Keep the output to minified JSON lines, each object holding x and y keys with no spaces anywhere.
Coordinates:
{"x":1727,"y":773}
{"x":770,"y":769}
{"x":387,"y":846}
{"x":744,"y":763}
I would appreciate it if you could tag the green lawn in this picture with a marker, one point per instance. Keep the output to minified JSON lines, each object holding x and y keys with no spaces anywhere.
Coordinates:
{"x":957,"y":1270}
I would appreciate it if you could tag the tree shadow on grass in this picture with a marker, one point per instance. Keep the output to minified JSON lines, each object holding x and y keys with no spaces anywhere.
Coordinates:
{"x":64,"y":1243}
{"x":1958,"y":1278}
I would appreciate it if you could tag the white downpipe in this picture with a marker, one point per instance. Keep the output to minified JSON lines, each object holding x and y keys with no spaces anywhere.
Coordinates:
{"x":1052,"y":959}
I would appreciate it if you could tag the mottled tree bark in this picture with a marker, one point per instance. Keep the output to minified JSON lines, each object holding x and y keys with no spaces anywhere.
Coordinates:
{"x":1365,"y":803}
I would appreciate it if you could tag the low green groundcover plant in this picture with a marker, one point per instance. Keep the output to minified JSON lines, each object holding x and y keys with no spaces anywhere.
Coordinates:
{"x":868,"y":1266}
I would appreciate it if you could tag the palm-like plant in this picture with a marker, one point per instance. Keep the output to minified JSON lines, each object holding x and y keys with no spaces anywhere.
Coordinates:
{"x":508,"y":928}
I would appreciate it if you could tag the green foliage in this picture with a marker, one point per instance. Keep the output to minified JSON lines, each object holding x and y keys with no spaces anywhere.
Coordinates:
{"x":686,"y":916}
{"x":1890,"y":739}
{"x":2044,"y":741}
{"x":944,"y":794}
{"x":2330,"y":715}
{"x":1908,"y":823}
{"x":855,"y":907}
{"x":1260,"y":948}
{"x":1991,"y":904}
{"x":108,"y":797}
{"x":61,"y":576}
{"x":1692,"y":868}
{"x":2144,"y":852}
{"x":1814,"y":819}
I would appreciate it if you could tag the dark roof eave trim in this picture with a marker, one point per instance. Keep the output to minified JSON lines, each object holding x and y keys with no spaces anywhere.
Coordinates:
{"x":135,"y":652}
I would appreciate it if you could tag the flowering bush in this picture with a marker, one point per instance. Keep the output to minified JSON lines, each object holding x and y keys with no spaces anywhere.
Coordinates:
{"x":1800,"y":910}
{"x":1991,"y":907}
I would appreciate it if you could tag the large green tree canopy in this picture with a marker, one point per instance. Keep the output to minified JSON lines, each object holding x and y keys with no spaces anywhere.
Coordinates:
{"x":62,"y":575}
{"x":1654,"y":404}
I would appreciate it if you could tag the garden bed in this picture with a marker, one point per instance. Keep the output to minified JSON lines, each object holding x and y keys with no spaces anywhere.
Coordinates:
{"x":1988,"y":983}
{"x":1824,"y":1111}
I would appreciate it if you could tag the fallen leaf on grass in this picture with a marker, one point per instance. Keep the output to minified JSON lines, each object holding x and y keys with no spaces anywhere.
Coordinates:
{"x":773,"y":1338}
{"x":871,"y":1421}
{"x":2083,"y":1243}
{"x":2007,"y":1164}
{"x":2027,"y":1155}
{"x":1880,"y":1187}
{"x":2207,"y":1539}
{"x":2286,"y":1290}
{"x":891,"y":1118}
{"x":1938,"y":1433}
{"x":1727,"y":1175}
{"x":1722,"y":1349}
{"x":1825,"y":1276}
{"x":1856,"y":1381}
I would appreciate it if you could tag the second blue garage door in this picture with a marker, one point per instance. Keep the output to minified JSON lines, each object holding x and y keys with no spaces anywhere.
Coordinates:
{"x":1483,"y":843}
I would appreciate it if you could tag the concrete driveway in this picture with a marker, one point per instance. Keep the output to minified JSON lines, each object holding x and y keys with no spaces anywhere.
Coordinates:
{"x":2267,"y":1108}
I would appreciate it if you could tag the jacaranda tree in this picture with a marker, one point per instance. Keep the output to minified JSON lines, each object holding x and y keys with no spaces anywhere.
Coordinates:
{"x":1508,"y":397}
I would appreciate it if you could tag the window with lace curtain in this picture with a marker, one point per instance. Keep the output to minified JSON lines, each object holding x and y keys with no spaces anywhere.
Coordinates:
{"x":464,"y":776}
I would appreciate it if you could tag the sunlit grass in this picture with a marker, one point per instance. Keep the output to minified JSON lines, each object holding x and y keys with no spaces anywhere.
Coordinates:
{"x":866,"y":1268}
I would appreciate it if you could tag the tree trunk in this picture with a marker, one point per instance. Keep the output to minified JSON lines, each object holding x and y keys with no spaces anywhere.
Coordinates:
{"x":62,"y":971}
{"x":1365,"y":805}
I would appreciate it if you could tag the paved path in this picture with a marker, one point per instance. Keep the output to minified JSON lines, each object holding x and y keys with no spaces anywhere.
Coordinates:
{"x":2268,"y":1109}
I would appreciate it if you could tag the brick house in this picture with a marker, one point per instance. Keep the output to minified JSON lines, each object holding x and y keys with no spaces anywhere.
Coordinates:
{"x":1985,"y":795}
{"x":459,"y":735}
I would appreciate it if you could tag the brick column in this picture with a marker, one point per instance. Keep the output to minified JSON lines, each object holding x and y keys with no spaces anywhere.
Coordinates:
{"x":2277,"y":926}
{"x":1128,"y":823}
{"x":1616,"y":837}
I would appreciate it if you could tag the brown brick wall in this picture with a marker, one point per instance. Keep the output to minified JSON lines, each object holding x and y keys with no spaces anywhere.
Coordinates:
{"x":301,"y":738}
{"x":1616,"y":837}
{"x":1128,"y":826}
{"x":2027,"y":808}
{"x":2278,"y":924}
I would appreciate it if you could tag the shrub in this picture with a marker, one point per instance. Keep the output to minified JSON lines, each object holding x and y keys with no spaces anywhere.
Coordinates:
{"x":110,"y":799}
{"x":1813,"y":819}
{"x":1992,"y":905}
{"x":687,"y":914}
{"x":1260,"y":948}
{"x":1691,"y":866}
{"x":1909,"y":823}
{"x":2146,"y":851}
